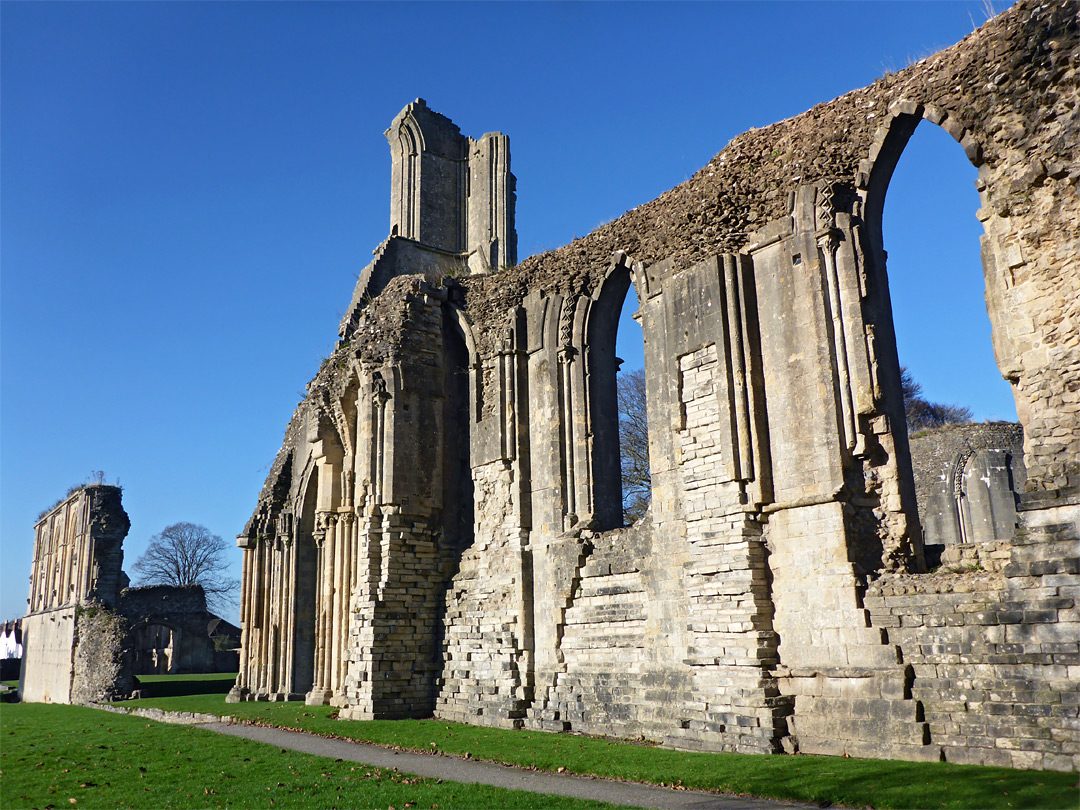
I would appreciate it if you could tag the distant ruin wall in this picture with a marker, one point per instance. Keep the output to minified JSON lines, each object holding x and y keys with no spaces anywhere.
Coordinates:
{"x":968,"y":478}
{"x":87,"y":633}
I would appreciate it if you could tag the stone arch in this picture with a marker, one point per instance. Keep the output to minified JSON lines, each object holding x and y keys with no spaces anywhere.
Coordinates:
{"x":461,"y":410}
{"x":873,"y":179}
{"x":305,"y":584}
{"x":154,"y":652}
{"x":600,"y":329}
{"x":874,"y":176}
{"x":410,"y":146}
{"x":461,"y":328}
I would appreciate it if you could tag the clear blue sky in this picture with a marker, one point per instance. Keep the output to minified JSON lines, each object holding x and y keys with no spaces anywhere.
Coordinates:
{"x":190,"y":189}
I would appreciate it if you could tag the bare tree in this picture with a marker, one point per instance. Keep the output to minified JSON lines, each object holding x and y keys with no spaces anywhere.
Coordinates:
{"x":187,"y":554}
{"x":634,"y":445}
{"x":922,"y":414}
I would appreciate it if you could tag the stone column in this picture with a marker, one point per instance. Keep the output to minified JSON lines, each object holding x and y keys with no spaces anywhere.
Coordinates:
{"x":239,"y":689}
{"x":290,"y":617}
{"x":566,"y":388}
{"x":267,"y":615}
{"x":320,"y":691}
{"x":345,"y":525}
{"x":336,"y":591}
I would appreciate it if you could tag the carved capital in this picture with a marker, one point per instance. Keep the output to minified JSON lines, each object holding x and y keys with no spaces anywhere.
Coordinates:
{"x":324,"y":522}
{"x":829,"y":241}
{"x":378,"y":388}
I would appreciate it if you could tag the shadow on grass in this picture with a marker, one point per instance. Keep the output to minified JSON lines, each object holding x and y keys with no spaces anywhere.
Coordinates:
{"x":158,"y":686}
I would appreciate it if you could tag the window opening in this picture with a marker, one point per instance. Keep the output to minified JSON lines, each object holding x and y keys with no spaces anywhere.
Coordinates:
{"x":936,"y":279}
{"x":633,"y":417}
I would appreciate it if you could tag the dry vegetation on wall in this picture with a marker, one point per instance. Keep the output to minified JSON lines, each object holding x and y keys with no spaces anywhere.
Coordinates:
{"x":1024,"y":60}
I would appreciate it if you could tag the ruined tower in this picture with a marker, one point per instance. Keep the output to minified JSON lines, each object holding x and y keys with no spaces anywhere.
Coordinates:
{"x":452,"y":201}
{"x":449,"y":192}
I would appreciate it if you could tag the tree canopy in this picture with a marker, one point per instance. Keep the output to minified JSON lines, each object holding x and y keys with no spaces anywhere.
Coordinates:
{"x":188,"y":554}
{"x":634,"y":445}
{"x":922,"y":414}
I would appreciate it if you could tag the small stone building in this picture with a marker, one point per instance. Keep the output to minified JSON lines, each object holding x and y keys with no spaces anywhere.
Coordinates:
{"x":441,"y":532}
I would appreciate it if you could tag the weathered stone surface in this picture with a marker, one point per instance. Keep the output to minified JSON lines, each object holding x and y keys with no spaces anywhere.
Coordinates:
{"x":966,"y":481}
{"x":78,"y":555}
{"x":440,"y":532}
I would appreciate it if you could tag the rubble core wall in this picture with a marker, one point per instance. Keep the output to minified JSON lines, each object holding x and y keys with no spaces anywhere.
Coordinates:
{"x":440,"y":532}
{"x":102,"y":669}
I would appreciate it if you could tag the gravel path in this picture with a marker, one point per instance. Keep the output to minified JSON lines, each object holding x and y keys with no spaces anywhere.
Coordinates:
{"x":505,"y":776}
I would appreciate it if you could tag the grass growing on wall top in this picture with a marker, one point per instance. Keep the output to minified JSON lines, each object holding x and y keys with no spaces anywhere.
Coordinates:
{"x":69,"y":756}
{"x":841,"y":781}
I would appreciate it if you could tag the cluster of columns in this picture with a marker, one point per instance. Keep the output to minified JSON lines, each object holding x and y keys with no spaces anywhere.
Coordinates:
{"x":337,"y":540}
{"x":268,"y":634}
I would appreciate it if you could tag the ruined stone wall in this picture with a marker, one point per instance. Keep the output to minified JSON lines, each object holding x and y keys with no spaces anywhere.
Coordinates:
{"x":440,"y":532}
{"x":170,"y":630}
{"x":48,"y":652}
{"x":101,"y":669}
{"x":993,"y":654}
{"x":967,"y":478}
{"x":78,"y":555}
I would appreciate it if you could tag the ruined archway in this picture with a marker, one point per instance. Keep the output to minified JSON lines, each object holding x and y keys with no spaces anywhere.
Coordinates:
{"x":602,"y":334}
{"x":305,"y":582}
{"x":602,"y":325}
{"x":1002,"y":298}
{"x":891,"y":141}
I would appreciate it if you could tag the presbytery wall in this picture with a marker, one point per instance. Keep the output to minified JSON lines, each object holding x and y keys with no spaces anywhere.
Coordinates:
{"x":441,"y":532}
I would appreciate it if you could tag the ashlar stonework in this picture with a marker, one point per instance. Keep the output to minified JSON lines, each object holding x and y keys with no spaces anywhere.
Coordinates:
{"x":441,"y":533}
{"x":72,"y":633}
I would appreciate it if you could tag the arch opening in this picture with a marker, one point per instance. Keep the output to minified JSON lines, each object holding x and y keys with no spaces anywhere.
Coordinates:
{"x":936,"y":293}
{"x":155,"y":648}
{"x":936,"y":278}
{"x":617,"y":400}
{"x":307,"y":555}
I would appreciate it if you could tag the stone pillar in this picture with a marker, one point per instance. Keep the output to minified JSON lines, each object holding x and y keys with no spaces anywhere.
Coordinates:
{"x":320,"y":692}
{"x":239,"y":689}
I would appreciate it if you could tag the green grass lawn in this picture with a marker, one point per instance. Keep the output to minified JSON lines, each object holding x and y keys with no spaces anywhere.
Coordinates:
{"x":69,"y":756}
{"x":211,"y":683}
{"x":852,"y":782}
